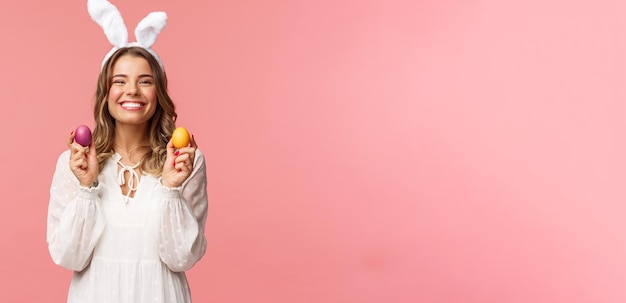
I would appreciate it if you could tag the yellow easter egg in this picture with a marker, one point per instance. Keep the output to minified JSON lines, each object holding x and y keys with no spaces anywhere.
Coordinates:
{"x":180,"y":137}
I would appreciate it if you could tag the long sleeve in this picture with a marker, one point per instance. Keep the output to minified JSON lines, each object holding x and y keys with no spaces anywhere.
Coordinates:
{"x":181,"y":237}
{"x":75,"y":219}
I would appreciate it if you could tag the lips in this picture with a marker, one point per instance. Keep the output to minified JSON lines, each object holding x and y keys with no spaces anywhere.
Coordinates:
{"x":131,"y":105}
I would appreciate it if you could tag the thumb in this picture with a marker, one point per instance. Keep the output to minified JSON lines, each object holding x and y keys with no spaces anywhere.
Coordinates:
{"x":92,"y":157}
{"x":92,"y":149}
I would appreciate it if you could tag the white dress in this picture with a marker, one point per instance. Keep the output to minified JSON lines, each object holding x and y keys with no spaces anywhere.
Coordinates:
{"x":127,"y":252}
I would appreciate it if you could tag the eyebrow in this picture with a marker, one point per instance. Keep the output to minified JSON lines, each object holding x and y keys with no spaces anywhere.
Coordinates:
{"x":125,"y":76}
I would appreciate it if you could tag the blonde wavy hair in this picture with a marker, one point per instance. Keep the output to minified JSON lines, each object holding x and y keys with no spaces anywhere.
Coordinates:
{"x":161,"y":125}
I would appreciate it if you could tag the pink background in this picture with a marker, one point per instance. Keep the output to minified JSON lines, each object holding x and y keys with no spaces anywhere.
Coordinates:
{"x":358,"y":151}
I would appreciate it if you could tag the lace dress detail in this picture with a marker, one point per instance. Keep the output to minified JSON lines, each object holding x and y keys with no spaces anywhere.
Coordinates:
{"x":123,"y":252}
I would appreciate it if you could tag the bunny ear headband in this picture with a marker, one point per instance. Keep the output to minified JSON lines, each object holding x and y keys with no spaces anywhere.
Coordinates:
{"x":110,"y":19}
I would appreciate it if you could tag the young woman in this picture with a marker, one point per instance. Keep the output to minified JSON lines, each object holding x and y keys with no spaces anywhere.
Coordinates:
{"x":127,"y":213}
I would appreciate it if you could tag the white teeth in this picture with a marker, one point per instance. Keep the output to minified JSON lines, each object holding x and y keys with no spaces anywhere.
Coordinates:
{"x":131,"y":105}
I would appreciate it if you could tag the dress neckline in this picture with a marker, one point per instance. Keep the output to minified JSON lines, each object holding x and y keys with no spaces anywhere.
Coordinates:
{"x":133,"y":180}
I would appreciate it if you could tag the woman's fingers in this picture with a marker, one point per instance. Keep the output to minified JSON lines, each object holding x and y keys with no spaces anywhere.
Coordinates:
{"x":182,"y":161}
{"x":70,"y":140}
{"x":183,"y":157}
{"x":80,"y":164}
{"x":78,"y":154}
{"x":179,"y":163}
{"x":193,"y":142}
{"x":83,"y":161}
{"x":78,"y":151}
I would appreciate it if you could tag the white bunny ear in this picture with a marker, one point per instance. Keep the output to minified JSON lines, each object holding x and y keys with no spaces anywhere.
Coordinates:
{"x":110,"y":19}
{"x":149,"y":28}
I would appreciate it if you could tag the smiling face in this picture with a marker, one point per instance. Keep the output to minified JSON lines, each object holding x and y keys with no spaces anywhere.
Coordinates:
{"x":151,"y":112}
{"x":132,"y":97}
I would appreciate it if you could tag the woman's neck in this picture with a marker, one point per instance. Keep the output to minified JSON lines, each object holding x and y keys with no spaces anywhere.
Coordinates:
{"x":129,"y":141}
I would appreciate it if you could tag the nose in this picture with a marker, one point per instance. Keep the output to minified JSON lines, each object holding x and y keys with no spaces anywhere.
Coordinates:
{"x":131,"y":88}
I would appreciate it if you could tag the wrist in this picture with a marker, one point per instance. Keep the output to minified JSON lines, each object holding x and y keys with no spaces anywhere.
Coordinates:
{"x":93,"y":184}
{"x":88,"y":191}
{"x":164,"y":183}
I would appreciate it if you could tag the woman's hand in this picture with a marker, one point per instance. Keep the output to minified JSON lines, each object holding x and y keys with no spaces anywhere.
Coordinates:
{"x":83,"y":162}
{"x":178,"y":164}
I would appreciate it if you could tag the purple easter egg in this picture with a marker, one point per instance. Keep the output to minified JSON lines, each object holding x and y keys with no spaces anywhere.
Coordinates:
{"x":82,"y":135}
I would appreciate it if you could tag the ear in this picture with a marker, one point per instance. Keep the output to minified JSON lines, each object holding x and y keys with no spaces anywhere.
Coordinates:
{"x":110,"y":19}
{"x":149,"y":28}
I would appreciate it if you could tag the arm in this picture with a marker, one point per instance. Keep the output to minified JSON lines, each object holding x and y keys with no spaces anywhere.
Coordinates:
{"x":75,"y":218}
{"x":184,"y":211}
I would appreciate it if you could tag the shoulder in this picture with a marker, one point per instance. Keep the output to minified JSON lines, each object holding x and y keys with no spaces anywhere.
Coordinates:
{"x":65,"y":154}
{"x":62,"y":167}
{"x":199,"y":154}
{"x":199,"y":162}
{"x":63,"y":158}
{"x":199,"y":157}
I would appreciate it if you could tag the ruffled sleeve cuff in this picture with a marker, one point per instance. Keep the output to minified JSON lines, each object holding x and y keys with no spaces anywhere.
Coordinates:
{"x":170,"y":192}
{"x":88,"y":193}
